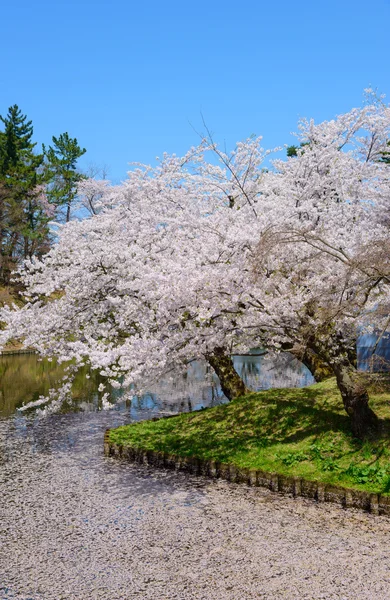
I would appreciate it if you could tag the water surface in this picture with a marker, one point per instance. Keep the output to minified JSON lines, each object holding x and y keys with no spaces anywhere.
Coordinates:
{"x":23,"y":378}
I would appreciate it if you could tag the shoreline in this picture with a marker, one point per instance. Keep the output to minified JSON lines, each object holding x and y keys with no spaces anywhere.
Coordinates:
{"x":17,"y":351}
{"x":376,"y":504}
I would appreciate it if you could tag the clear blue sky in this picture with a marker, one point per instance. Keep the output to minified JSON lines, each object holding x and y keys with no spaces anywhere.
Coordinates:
{"x":131,"y":80}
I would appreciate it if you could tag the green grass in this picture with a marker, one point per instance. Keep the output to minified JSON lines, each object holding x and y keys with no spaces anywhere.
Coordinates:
{"x":303,"y":432}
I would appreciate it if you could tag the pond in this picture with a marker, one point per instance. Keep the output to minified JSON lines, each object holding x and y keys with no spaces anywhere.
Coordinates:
{"x":25,"y":377}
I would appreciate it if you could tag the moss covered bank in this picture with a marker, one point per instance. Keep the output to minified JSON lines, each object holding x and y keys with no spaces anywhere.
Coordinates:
{"x":290,"y":440}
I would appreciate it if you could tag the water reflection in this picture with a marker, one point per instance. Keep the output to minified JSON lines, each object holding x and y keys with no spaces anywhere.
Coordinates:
{"x":24,"y":378}
{"x":272,"y":371}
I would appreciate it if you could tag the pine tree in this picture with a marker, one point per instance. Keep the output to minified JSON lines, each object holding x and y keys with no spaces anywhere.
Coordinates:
{"x":23,"y":219}
{"x":16,"y":139}
{"x":62,"y":169}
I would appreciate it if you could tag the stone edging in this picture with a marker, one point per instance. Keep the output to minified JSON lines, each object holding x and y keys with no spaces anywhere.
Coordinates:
{"x":297,"y":486}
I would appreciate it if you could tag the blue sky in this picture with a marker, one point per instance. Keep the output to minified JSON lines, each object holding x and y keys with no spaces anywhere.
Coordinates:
{"x":131,"y":80}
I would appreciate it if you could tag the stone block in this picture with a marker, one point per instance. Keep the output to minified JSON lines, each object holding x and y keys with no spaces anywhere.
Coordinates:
{"x":169,"y":461}
{"x":309,"y":488}
{"x":185,"y":464}
{"x":138,"y":455}
{"x":118,"y":450}
{"x":274,"y":482}
{"x":357,"y":499}
{"x":146,"y":457}
{"x":335,"y":494}
{"x":286,"y":484}
{"x":194,"y":465}
{"x":384,"y":505}
{"x":297,"y":486}
{"x":253,"y":478}
{"x":233,"y":473}
{"x":204,"y":468}
{"x":128,"y":453}
{"x":374,"y":504}
{"x":179,"y":462}
{"x":224,"y":472}
{"x":213,"y":471}
{"x":320,"y":492}
{"x":242,"y":475}
{"x":264,"y":479}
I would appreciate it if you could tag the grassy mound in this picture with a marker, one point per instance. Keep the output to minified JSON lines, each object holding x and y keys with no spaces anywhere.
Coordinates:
{"x":303,"y":432}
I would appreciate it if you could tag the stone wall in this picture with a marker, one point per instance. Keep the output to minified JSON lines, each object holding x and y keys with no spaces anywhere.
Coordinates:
{"x":295,"y":486}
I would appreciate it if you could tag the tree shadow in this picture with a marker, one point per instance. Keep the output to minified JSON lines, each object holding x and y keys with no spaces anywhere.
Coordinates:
{"x":266,"y":419}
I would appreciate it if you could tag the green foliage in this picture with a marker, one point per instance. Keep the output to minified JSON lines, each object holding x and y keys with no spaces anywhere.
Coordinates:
{"x":292,"y":457}
{"x":28,"y":184}
{"x":386,"y":155}
{"x":62,"y":171}
{"x":15,"y":140}
{"x":292,"y":151}
{"x":376,"y":475}
{"x":23,"y":221}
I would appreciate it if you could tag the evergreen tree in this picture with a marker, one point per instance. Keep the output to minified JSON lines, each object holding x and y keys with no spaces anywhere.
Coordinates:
{"x":62,"y":170}
{"x":16,"y":139}
{"x":23,"y":218}
{"x":292,"y":151}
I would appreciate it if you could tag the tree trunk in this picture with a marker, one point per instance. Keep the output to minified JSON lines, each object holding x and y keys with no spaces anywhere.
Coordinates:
{"x":231,"y":383}
{"x":355,"y":398}
{"x":316,"y":365}
{"x":352,"y":388}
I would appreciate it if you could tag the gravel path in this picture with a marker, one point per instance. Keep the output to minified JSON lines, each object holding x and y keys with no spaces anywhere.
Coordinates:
{"x":75,"y":525}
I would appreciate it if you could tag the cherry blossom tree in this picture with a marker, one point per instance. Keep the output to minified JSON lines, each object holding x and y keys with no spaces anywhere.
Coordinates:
{"x":324,"y":264}
{"x":144,"y":284}
{"x":211,"y":253}
{"x":94,"y":195}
